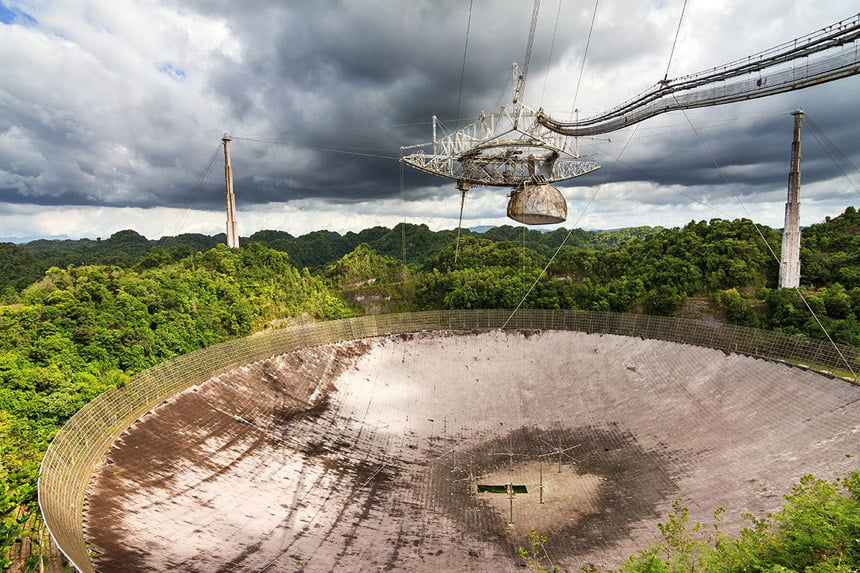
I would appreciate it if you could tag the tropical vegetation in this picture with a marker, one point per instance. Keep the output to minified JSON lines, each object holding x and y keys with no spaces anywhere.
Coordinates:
{"x":81,"y":330}
{"x":80,"y":317}
{"x":816,"y":531}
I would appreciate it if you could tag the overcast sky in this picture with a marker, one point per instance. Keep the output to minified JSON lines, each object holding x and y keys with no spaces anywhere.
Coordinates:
{"x":110,"y":112}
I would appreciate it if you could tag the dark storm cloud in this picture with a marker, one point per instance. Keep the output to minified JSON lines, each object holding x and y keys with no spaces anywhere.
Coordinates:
{"x":128,"y":106}
{"x":15,"y":196}
{"x":348,"y":76}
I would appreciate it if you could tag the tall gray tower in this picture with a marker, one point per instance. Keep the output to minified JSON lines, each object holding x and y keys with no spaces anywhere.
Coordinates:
{"x":789,"y":267}
{"x":232,"y":233}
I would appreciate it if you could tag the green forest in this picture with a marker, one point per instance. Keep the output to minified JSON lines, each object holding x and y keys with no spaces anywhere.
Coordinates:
{"x":79,"y":317}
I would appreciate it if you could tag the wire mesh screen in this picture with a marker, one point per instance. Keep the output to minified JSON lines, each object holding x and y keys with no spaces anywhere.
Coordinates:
{"x":79,"y":447}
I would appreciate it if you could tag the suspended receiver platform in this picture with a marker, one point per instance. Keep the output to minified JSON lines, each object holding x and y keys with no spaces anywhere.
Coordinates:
{"x":507,"y":148}
{"x":527,"y":150}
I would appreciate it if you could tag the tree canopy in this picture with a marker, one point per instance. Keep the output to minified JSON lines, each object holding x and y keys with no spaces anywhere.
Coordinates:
{"x":79,"y":317}
{"x":83,"y":329}
{"x":816,"y":531}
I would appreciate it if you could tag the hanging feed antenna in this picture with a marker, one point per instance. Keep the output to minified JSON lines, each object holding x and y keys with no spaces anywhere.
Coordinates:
{"x":528,"y":151}
{"x":825,"y":55}
{"x":507,"y":148}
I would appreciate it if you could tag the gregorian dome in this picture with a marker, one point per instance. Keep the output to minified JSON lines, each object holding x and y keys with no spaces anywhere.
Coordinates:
{"x":540,"y":204}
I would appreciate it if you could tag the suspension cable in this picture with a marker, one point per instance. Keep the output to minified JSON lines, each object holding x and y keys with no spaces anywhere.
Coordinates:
{"x":457,"y":120}
{"x":833,"y":151}
{"x":826,"y":55}
{"x":566,"y":237}
{"x":728,"y":183}
{"x":769,"y":248}
{"x":551,"y":49}
{"x":280,"y":141}
{"x":196,"y":190}
{"x":677,"y":31}
{"x":584,"y":55}
{"x":827,"y":334}
{"x":463,"y":69}
{"x":403,"y":223}
{"x":530,"y":43}
{"x":459,"y":226}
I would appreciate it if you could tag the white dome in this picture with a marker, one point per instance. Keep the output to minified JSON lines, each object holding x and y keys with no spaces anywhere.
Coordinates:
{"x":537,"y":205}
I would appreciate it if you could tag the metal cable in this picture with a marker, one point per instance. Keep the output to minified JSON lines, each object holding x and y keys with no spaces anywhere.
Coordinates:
{"x":769,"y":248}
{"x":531,"y":41}
{"x":462,"y":75}
{"x":767,"y":73}
{"x":463,"y":69}
{"x":566,"y":237}
{"x":551,"y":50}
{"x":584,"y":55}
{"x":196,"y":190}
{"x":459,"y":226}
{"x":833,"y":151}
{"x":279,"y":141}
{"x":675,"y":42}
{"x":403,"y":223}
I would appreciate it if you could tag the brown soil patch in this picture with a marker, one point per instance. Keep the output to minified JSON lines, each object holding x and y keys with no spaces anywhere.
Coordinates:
{"x":592,"y":499}
{"x":554,"y":499}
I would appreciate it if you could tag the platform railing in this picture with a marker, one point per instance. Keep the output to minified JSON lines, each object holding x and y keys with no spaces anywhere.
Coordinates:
{"x":79,"y":447}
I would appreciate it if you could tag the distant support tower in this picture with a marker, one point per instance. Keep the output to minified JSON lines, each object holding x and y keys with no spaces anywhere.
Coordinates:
{"x":232,"y":233}
{"x":789,"y":268}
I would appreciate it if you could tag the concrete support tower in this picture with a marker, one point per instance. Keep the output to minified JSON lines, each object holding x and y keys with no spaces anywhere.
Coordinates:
{"x":789,"y":268}
{"x":232,"y":233}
